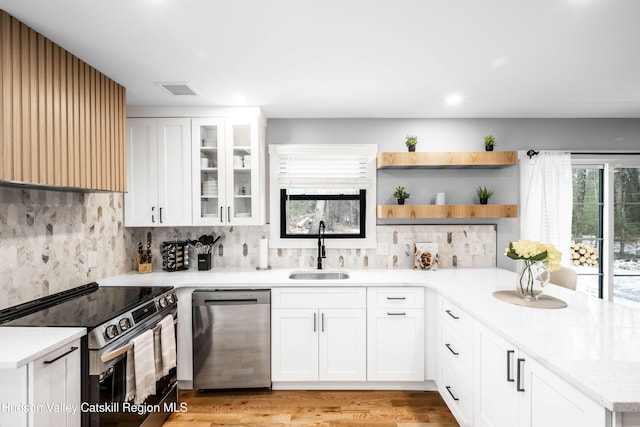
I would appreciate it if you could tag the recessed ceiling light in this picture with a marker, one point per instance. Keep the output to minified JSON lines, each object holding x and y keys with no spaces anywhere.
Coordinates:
{"x":453,"y":99}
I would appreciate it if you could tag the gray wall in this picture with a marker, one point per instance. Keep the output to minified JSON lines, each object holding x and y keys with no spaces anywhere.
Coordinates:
{"x":460,"y":135}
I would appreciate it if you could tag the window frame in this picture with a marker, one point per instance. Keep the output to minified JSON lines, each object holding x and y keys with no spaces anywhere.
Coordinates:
{"x":360,"y":196}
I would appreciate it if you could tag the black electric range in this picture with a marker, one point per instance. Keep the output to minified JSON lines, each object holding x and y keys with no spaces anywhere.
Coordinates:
{"x":113,"y":316}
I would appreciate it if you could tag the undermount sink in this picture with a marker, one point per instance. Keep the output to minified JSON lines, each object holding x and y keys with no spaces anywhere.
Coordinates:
{"x":318,"y":275}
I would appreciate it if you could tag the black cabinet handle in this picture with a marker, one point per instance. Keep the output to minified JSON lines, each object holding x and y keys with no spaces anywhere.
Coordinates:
{"x":221,"y":212}
{"x":509,"y":355}
{"x":452,"y":315}
{"x":449,"y":390}
{"x":48,"y":362}
{"x":322,"y":322}
{"x":160,"y":215}
{"x":315,"y":327}
{"x":519,"y":373}
{"x":396,"y":314}
{"x":451,"y":350}
{"x":396,"y":298}
{"x":153,"y":217}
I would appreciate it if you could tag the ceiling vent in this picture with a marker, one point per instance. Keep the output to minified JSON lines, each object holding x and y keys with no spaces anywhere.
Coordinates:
{"x":178,"y":89}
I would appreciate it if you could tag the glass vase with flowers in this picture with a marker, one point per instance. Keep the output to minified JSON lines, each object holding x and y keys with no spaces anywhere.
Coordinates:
{"x":535,"y":262}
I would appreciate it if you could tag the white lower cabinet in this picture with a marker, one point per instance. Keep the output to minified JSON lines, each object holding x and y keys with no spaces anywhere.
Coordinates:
{"x":318,"y":334}
{"x":512,"y":389}
{"x":455,"y":355}
{"x":44,"y":393}
{"x":395,"y":335}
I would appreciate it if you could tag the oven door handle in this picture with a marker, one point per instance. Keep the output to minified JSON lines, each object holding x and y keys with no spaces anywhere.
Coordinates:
{"x":122,"y":350}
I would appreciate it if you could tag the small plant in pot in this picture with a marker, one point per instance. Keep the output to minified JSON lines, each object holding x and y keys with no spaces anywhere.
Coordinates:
{"x":411,"y":142}
{"x":489,"y":142}
{"x":400,"y":195}
{"x":484,"y":194}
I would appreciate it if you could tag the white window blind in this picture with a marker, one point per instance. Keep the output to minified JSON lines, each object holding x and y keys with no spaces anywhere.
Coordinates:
{"x":330,"y":167}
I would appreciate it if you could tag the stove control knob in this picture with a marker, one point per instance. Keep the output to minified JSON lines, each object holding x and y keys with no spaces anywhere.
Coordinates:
{"x":163,"y":302}
{"x":111,"y":332}
{"x":171,"y":298}
{"x":125,"y":323}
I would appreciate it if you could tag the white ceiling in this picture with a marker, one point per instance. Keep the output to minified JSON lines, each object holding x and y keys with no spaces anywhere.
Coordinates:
{"x":360,"y":58}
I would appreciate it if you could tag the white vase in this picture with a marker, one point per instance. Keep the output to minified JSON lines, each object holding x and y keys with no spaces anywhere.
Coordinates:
{"x":533,"y":276}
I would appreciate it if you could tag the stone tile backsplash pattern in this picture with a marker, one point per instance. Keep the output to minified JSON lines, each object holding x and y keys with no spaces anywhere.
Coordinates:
{"x":46,"y":237}
{"x":458,"y":246}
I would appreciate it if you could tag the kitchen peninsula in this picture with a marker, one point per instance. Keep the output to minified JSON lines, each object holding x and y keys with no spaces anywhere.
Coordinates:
{"x":591,"y":346}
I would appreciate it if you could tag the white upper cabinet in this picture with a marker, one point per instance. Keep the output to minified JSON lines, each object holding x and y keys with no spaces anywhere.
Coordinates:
{"x":228,"y":171}
{"x":158,"y":172}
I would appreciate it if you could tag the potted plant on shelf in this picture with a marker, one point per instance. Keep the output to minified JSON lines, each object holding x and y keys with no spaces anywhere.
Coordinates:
{"x":484,"y":194}
{"x":489,"y":142}
{"x":400,"y":195}
{"x":411,"y":142}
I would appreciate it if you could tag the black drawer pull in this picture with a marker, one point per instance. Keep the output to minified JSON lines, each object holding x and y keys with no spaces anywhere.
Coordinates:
{"x":509,"y":354}
{"x":401,"y":298}
{"x":452,"y":315}
{"x":396,"y":314}
{"x":519,"y":373}
{"x":451,"y":350}
{"x":47,"y":362}
{"x":449,"y":390}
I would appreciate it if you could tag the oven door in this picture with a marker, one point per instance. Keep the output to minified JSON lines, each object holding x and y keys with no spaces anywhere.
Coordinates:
{"x":108,"y":388}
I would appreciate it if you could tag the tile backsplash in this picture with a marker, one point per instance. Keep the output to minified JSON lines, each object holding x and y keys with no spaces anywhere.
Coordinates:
{"x":46,"y":238}
{"x":458,"y":246}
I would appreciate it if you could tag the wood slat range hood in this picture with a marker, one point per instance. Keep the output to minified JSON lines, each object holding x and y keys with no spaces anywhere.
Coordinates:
{"x":62,"y":122}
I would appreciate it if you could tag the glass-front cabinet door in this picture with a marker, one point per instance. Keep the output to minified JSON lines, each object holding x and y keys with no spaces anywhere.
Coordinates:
{"x":226,"y":165}
{"x":208,"y":168}
{"x":242,"y":158}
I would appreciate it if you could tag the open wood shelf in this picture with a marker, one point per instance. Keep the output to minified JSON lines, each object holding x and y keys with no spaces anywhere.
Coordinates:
{"x":454,"y":159}
{"x":446,"y":211}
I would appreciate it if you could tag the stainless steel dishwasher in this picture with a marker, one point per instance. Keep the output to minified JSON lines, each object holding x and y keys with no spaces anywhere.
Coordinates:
{"x":231,"y":338}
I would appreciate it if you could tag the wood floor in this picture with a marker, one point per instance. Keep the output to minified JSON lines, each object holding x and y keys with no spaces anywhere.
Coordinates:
{"x":312,"y":408}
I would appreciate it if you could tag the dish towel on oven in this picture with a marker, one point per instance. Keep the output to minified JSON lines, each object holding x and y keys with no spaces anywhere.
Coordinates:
{"x":167,"y":344}
{"x":141,"y":377}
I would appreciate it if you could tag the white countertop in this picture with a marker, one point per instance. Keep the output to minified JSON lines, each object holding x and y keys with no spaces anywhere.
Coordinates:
{"x":592,"y":344}
{"x":21,"y":345}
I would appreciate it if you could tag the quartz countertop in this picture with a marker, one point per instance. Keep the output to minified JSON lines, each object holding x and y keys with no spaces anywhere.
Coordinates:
{"x":22,"y":345}
{"x":592,"y":344}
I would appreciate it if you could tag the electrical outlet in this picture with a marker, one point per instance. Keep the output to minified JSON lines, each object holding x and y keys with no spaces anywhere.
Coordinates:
{"x":92,"y":259}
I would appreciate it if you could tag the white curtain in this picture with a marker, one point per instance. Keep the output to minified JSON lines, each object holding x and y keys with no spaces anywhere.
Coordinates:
{"x":546,"y":199}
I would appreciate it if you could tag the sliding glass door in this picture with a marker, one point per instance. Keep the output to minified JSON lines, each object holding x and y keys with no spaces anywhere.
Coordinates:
{"x":606,"y":228}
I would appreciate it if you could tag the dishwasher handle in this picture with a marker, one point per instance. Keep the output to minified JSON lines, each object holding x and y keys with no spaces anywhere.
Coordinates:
{"x":230,"y":297}
{"x":235,"y":301}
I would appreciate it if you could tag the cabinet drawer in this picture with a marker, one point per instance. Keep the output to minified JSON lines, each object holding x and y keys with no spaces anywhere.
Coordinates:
{"x":457,"y":396}
{"x":455,"y":351}
{"x":311,"y":297}
{"x":456,"y":318}
{"x":401,"y":297}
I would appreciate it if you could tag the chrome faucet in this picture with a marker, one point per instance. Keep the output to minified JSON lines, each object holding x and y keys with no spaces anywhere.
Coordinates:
{"x":321,"y":251}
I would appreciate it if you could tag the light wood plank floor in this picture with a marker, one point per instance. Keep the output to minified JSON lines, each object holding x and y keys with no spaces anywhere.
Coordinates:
{"x":312,"y":408}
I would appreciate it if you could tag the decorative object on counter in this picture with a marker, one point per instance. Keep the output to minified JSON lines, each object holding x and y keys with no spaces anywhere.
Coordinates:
{"x":545,"y":301}
{"x":175,"y":255}
{"x":144,"y":258}
{"x":535,"y":262}
{"x":425,"y":256}
{"x":489,"y":142}
{"x":484,"y":194}
{"x":263,"y":255}
{"x":400,"y":195}
{"x":411,"y":142}
{"x":440,"y":197}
